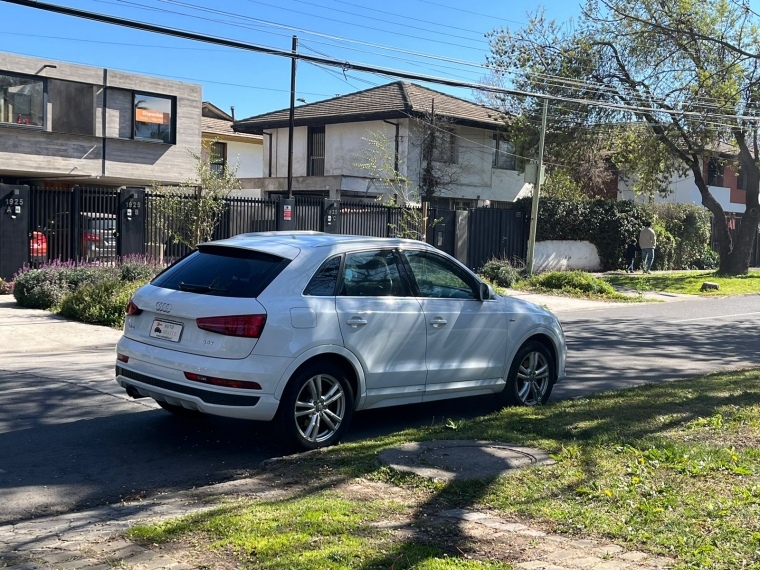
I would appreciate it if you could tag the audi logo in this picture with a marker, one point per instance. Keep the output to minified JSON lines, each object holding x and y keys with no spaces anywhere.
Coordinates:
{"x":164,"y":307}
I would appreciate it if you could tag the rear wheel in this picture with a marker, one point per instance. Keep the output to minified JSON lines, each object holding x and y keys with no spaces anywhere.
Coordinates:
{"x":531,"y":376}
{"x":316,"y":408}
{"x":178,"y":410}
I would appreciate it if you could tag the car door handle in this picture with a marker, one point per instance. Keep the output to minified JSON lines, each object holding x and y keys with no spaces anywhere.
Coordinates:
{"x":438,"y":321}
{"x":356,"y":322}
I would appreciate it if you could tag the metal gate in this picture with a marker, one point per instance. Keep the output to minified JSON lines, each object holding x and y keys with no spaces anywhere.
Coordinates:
{"x":15,"y":238}
{"x":441,"y":231}
{"x":496,"y":233}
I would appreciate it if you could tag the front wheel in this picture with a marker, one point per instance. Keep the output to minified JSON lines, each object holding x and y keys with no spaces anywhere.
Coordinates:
{"x":316,"y":408}
{"x":531,"y":376}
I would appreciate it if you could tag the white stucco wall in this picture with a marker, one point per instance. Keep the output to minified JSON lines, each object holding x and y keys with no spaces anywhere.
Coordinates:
{"x":683,"y":191}
{"x":563,"y":255}
{"x":248,"y":157}
{"x":280,"y":152}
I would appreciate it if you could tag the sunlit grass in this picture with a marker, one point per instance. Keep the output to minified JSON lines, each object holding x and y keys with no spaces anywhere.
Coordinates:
{"x":689,"y":283}
{"x":671,"y":469}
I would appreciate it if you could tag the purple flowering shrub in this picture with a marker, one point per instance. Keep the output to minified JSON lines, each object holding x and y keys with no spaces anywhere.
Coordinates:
{"x":46,"y":286}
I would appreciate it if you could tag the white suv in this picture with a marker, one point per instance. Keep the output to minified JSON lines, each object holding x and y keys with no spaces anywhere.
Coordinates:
{"x":306,"y":328}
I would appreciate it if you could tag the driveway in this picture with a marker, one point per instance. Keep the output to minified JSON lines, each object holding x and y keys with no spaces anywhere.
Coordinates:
{"x":70,"y":438}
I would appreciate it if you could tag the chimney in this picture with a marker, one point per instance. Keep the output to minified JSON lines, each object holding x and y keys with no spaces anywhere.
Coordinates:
{"x":233,"y":112}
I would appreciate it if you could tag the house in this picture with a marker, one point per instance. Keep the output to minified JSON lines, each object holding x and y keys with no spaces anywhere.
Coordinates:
{"x":727,"y":185}
{"x":63,"y":124}
{"x":225,"y":146}
{"x":332,"y":137}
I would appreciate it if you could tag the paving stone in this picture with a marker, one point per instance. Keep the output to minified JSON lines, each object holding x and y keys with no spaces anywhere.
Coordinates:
{"x":611,"y":565}
{"x":608,"y":550}
{"x":531,"y":532}
{"x":126,"y":552}
{"x":180,"y":566}
{"x":513,"y":527}
{"x":55,"y":556}
{"x":75,"y":564}
{"x":463,"y":514}
{"x":113,"y":545}
{"x":586,"y":562}
{"x":562,"y":554}
{"x":538,"y":565}
{"x":634,"y":556}
{"x":25,"y":566}
{"x":557,"y":539}
{"x":583,"y":544}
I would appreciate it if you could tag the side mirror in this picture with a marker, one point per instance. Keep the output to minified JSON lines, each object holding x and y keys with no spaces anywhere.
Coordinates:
{"x":484,"y":292}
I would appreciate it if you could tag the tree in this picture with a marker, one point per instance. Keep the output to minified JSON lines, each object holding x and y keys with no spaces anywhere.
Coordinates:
{"x":192,"y":210}
{"x":661,"y":84}
{"x":383,"y":167}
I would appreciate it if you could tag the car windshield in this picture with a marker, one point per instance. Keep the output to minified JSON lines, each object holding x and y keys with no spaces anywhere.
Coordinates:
{"x":223,"y":271}
{"x":101,"y":224}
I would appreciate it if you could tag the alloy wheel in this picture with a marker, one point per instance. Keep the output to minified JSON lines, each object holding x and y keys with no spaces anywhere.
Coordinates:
{"x":532,"y":378}
{"x":320,"y":408}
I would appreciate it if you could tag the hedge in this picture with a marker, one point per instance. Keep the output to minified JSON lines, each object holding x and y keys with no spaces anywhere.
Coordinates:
{"x":683,"y":231}
{"x":100,"y":303}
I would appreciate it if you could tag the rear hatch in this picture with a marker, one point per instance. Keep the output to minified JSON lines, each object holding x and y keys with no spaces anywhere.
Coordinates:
{"x":206,"y":304}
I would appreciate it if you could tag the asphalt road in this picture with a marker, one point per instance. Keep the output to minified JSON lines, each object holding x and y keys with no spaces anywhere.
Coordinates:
{"x":69,"y":437}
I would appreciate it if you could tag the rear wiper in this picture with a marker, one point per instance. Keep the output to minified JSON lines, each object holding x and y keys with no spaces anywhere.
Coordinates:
{"x":190,"y":288}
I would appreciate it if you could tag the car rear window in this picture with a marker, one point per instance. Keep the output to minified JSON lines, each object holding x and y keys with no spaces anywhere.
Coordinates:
{"x":223,"y":272}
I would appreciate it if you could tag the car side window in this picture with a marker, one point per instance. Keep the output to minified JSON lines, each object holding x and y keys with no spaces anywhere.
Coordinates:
{"x":372,"y":274}
{"x":325,"y":280}
{"x":437,"y":277}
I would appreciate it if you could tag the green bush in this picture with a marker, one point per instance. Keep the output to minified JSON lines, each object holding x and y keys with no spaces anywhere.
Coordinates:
{"x":40,"y":288}
{"x":6,"y":287}
{"x":491,"y":269}
{"x":683,"y":231}
{"x":502,"y":272}
{"x":708,"y":259}
{"x":572,"y":281}
{"x":100,"y":303}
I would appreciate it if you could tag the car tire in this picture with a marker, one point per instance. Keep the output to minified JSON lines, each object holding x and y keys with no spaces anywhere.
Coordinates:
{"x":179,"y":411}
{"x":316,"y":407}
{"x":531,"y":376}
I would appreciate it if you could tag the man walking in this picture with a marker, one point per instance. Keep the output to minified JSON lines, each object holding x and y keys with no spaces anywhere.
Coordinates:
{"x":647,"y":243}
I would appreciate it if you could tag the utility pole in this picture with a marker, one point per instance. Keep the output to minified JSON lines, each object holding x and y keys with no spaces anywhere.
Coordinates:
{"x":536,"y":191}
{"x":291,"y":126}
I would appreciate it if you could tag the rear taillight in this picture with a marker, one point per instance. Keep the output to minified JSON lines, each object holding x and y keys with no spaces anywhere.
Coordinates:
{"x":133,"y":309}
{"x":122,"y":357}
{"x":223,"y":382}
{"x":249,"y":326}
{"x":90,"y":237}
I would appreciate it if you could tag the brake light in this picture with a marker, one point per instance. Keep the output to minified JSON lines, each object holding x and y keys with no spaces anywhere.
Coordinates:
{"x":249,"y":326}
{"x":122,"y":357}
{"x":90,"y":237}
{"x":133,"y":309}
{"x":223,"y":382}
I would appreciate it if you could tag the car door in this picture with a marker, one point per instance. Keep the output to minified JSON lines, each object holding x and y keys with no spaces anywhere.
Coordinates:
{"x":466,"y":337}
{"x":383,"y":325}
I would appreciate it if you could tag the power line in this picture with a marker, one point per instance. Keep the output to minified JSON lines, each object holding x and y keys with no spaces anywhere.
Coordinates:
{"x":345,"y":65}
{"x":405,"y":16}
{"x":470,"y":12}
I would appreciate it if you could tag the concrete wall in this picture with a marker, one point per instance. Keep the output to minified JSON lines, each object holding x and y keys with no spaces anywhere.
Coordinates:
{"x":564,"y":255}
{"x":109,"y":152}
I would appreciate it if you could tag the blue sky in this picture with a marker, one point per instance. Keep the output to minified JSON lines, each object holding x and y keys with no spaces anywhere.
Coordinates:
{"x":257,"y":83}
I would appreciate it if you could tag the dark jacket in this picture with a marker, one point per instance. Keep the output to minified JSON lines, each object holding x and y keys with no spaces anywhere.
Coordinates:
{"x":630,"y":251}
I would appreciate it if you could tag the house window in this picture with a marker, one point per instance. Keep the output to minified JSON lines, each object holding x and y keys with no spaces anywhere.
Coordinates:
{"x":154,"y":118}
{"x":445,"y":146}
{"x":714,"y":172}
{"x":22,"y":100}
{"x":72,"y":107}
{"x":503,"y":153}
{"x":217,"y":157}
{"x":316,"y":150}
{"x":741,"y":180}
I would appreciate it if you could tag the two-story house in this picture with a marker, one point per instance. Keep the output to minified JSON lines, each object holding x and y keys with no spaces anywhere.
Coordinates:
{"x":223,"y":146}
{"x":332,"y":138}
{"x":63,"y":124}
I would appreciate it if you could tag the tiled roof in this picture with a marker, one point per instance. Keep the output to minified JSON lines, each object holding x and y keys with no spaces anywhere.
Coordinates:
{"x":394,"y":100}
{"x":223,"y":128}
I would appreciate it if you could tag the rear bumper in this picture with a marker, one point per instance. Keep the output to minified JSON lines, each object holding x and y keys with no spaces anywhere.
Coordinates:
{"x":159,"y":374}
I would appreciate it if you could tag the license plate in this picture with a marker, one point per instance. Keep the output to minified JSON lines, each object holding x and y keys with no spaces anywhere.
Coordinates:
{"x":166,"y":330}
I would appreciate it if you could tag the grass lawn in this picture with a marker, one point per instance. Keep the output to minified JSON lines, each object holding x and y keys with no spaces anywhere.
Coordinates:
{"x":689,"y":282}
{"x":672,"y":469}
